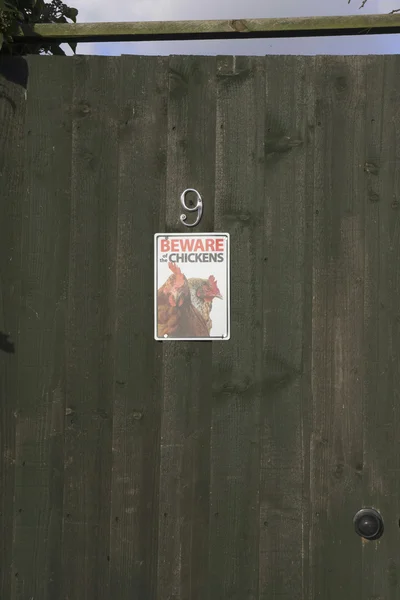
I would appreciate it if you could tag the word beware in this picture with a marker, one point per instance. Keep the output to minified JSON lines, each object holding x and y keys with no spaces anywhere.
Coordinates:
{"x":192,"y":245}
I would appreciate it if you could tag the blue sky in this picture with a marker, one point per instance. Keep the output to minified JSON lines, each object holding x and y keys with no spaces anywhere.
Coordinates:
{"x":175,"y":10}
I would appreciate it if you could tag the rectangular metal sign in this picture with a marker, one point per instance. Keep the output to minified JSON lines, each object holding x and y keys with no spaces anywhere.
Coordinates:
{"x":192,"y":287}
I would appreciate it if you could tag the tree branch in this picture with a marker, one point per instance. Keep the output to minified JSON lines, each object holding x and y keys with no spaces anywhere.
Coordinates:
{"x":364,"y":2}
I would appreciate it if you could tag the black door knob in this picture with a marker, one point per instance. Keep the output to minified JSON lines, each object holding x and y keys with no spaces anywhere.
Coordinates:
{"x":368,"y":524}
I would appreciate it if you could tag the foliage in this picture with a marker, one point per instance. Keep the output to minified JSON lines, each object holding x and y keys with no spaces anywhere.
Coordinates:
{"x":15,"y":14}
{"x":364,"y":2}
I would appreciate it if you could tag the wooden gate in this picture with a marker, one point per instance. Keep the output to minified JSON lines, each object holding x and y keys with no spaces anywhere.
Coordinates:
{"x":199,"y":470}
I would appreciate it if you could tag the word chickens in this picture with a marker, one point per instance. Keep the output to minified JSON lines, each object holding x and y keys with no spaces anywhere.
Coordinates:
{"x":184,"y":305}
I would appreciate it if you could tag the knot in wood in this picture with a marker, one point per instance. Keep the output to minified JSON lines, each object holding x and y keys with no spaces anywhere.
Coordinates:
{"x":238,"y":25}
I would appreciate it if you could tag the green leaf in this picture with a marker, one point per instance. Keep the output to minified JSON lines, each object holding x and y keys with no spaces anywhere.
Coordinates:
{"x":38,"y":7}
{"x":56,"y":50}
{"x":71,"y":13}
{"x":45,"y":47}
{"x":27,"y":4}
{"x":15,"y":30}
{"x":11,"y":9}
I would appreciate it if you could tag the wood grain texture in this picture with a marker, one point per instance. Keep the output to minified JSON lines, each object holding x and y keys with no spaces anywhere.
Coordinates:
{"x":175,"y":471}
{"x":187,"y":366}
{"x":237,"y":364}
{"x":90,"y":333}
{"x":233,"y":28}
{"x":286,"y":292}
{"x":42,"y":313}
{"x":142,"y":136}
{"x":381,"y":458}
{"x":12,"y":192}
{"x":337,"y":327}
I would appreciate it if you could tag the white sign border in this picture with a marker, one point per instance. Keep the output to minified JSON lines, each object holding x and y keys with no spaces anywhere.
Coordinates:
{"x":228,"y":286}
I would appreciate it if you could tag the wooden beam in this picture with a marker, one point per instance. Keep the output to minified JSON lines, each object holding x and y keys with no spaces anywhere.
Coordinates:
{"x":223,"y":29}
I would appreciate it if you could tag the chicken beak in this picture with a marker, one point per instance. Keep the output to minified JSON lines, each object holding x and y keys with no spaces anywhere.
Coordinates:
{"x":173,"y":298}
{"x":219,"y":296}
{"x":176,"y":298}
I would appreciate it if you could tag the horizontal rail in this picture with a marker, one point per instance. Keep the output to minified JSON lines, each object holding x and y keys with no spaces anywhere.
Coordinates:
{"x":359,"y":24}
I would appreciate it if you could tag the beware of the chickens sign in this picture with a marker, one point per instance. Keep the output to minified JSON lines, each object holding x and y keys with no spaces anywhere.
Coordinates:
{"x":192,"y":286}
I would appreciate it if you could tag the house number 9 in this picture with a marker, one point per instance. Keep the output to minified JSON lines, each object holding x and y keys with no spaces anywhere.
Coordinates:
{"x":197,"y":207}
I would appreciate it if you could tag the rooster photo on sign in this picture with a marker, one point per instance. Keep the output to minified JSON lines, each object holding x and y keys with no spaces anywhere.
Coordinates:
{"x":192,"y":286}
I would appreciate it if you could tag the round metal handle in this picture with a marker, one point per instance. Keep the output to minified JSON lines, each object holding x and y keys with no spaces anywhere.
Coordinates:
{"x":368,"y":524}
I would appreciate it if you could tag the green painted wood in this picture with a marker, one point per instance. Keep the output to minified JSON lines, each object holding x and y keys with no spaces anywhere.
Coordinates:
{"x":39,"y":399}
{"x":199,"y":470}
{"x":237,"y":365}
{"x":89,"y":351}
{"x":285,"y":423}
{"x":186,"y":385}
{"x":12,"y":189}
{"x":337,"y":327}
{"x":381,"y":459}
{"x":143,"y":90}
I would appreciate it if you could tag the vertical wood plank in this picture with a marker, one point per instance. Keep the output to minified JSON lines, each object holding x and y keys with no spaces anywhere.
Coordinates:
{"x":12,"y":192}
{"x":237,"y":365}
{"x":138,"y":358}
{"x":284,"y":476}
{"x":187,"y":367}
{"x":199,"y":470}
{"x":90,"y":335}
{"x":382,"y":330}
{"x":41,"y":307}
{"x":337,"y":342}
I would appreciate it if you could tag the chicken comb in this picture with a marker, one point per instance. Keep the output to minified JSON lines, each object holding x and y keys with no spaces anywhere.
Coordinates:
{"x":177,"y":272}
{"x":213,"y":284}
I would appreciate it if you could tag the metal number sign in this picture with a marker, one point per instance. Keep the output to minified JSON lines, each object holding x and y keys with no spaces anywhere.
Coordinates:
{"x":198,"y":207}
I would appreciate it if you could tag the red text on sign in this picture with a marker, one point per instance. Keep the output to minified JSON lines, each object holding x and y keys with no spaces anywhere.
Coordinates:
{"x":192,"y":245}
